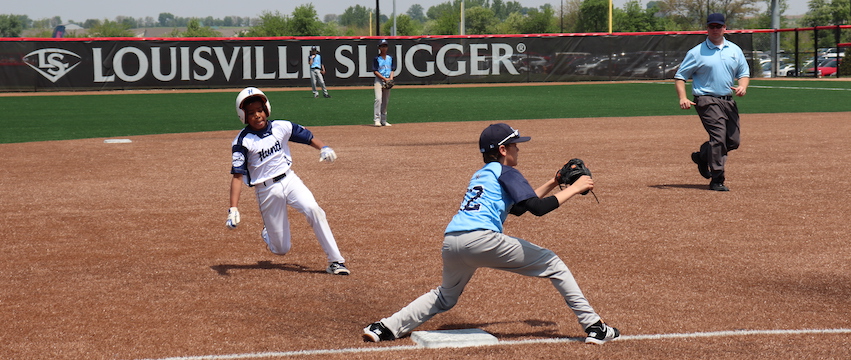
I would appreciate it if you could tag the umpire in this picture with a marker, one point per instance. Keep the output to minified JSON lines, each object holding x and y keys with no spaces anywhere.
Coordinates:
{"x":713,"y":66}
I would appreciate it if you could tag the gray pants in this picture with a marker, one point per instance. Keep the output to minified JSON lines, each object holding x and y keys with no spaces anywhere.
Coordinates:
{"x":720,"y":118}
{"x":382,"y":96}
{"x":464,"y":252}
{"x":316,"y":77}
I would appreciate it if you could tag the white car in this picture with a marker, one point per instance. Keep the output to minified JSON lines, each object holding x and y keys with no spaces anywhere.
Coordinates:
{"x":786,"y":70}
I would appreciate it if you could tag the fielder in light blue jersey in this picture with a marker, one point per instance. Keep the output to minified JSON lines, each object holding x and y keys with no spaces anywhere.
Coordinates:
{"x":317,"y":70}
{"x":383,"y":67}
{"x":474,"y":238}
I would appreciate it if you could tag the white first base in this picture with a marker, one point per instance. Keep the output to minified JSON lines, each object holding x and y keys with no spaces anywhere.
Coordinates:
{"x":117,"y":141}
{"x":453,"y":338}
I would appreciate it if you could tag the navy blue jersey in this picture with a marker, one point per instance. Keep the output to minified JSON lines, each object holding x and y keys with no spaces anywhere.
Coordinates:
{"x":260,"y":155}
{"x":490,"y":195}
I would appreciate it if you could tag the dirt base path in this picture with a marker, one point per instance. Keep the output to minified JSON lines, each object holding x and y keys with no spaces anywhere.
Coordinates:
{"x":119,"y":251}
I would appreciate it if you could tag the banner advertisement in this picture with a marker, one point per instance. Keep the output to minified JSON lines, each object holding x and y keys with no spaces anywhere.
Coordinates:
{"x":119,"y":64}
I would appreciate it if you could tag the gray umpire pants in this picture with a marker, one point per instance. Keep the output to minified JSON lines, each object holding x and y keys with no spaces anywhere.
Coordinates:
{"x":720,"y":118}
{"x":464,"y":252}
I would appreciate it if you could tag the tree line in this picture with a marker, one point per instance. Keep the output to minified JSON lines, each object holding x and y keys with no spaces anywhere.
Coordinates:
{"x":482,"y":17}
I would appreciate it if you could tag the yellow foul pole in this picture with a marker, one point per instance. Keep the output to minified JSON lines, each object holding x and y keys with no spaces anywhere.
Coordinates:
{"x":610,"y":16}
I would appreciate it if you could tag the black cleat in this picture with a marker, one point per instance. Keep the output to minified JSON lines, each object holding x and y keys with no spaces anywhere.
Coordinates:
{"x":600,"y":333}
{"x":376,"y":332}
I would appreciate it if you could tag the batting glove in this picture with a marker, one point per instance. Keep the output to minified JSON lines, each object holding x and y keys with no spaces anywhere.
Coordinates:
{"x":327,"y":154}
{"x":233,"y":218}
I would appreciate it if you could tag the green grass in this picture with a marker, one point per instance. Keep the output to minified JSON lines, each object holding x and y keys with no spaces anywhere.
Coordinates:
{"x":61,"y":117}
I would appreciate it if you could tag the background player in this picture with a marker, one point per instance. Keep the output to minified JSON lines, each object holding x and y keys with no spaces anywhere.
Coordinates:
{"x":261,"y":159}
{"x":383,"y":67}
{"x":714,"y":65}
{"x":474,"y":239}
{"x":317,"y":70}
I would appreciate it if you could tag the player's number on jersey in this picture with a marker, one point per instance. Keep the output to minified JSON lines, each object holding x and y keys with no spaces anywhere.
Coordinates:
{"x":476,"y":192}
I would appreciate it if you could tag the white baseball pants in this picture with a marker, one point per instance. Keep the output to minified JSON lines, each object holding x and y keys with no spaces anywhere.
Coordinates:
{"x":273,"y":200}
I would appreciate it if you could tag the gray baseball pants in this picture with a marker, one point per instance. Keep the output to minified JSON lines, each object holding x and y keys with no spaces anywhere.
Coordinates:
{"x":382,"y":96}
{"x":720,"y":118}
{"x":316,"y":77}
{"x":464,"y":252}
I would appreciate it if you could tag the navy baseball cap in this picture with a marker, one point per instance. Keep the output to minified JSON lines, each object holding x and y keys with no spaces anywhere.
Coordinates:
{"x":715,"y":18}
{"x":383,"y":42}
{"x":499,"y":134}
{"x":313,"y":48}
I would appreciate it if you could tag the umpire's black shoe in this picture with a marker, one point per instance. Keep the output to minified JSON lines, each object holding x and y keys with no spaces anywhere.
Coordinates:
{"x":702,"y":167}
{"x":376,"y":332}
{"x":716,"y":186}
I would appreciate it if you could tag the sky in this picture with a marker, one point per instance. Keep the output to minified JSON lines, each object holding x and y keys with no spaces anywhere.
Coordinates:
{"x":80,"y":10}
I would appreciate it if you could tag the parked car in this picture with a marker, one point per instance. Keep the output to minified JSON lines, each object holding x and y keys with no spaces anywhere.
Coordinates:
{"x":587,"y":64}
{"x":643,"y":70}
{"x":531,"y":63}
{"x":783,"y":69}
{"x":825,"y":68}
{"x":765,"y":68}
{"x":566,"y":62}
{"x":665,"y":70}
{"x":786,"y":70}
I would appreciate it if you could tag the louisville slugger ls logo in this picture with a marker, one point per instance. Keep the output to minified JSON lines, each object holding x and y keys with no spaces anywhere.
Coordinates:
{"x":52,"y":63}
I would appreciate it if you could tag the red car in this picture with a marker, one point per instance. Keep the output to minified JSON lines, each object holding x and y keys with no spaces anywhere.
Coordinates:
{"x":826,"y":68}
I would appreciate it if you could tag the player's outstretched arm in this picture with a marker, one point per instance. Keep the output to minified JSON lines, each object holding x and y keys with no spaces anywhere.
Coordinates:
{"x":233,"y":212}
{"x":583,"y":184}
{"x":235,"y":189}
{"x":545,"y":189}
{"x":326,"y":153}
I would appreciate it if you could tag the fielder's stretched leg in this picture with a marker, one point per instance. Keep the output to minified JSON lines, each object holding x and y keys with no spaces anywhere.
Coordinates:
{"x":464,"y":252}
{"x":525,"y":258}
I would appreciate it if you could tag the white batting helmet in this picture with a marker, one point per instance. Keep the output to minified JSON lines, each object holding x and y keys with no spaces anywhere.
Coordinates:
{"x":247,"y":93}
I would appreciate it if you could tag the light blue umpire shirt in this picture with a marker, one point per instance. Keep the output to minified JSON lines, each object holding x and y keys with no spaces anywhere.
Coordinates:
{"x":714,"y":69}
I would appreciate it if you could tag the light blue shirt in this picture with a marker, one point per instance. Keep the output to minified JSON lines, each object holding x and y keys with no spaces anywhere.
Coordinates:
{"x":714,"y":69}
{"x":317,"y":62}
{"x":491,"y":193}
{"x":384,"y":66}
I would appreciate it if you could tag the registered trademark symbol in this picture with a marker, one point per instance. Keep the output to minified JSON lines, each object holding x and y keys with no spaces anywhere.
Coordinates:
{"x":521,"y":48}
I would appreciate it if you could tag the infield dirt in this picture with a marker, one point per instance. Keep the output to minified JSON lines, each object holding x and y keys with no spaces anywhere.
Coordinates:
{"x":119,"y":251}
